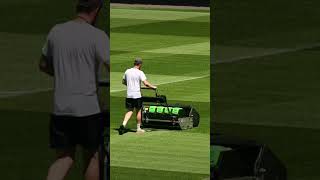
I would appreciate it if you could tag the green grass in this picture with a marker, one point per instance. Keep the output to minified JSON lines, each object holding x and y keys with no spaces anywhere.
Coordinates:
{"x":174,"y":45}
{"x":24,"y":143}
{"x":119,"y":173}
{"x":270,"y":24}
{"x":25,"y":150}
{"x":25,"y":101}
{"x":272,"y":99}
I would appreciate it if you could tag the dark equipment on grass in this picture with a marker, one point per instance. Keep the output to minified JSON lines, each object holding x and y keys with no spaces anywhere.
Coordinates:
{"x":157,"y":113}
{"x":235,"y":159}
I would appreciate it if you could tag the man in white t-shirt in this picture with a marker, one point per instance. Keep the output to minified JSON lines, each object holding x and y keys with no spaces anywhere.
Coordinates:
{"x":132,"y":78}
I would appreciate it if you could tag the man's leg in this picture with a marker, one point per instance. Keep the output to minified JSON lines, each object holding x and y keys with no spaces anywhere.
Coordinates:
{"x":138,"y":119}
{"x":61,"y":140}
{"x":138,"y":107}
{"x":139,"y":130}
{"x":125,"y":121}
{"x":92,"y":143}
{"x":60,"y":168}
{"x":127,"y":117}
{"x":92,"y":170}
{"x":130,"y":107}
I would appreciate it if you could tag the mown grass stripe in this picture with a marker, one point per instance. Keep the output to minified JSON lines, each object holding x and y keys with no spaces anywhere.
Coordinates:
{"x":116,"y":78}
{"x":136,"y":14}
{"x":202,"y":48}
{"x":166,"y":150}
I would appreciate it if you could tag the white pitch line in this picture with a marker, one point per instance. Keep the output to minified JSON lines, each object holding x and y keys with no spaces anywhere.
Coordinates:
{"x":4,"y":94}
{"x":271,"y":53}
{"x":168,"y":82}
{"x":158,"y":6}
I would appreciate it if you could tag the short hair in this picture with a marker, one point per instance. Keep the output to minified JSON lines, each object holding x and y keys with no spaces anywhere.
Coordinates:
{"x":87,"y":6}
{"x":137,"y":61}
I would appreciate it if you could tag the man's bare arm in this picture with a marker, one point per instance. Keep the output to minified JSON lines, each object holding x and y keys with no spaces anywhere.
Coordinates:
{"x":149,"y":85}
{"x":45,"y":66}
{"x":107,"y":66}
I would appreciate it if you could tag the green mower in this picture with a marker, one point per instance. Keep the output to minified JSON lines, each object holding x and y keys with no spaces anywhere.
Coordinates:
{"x":157,"y":113}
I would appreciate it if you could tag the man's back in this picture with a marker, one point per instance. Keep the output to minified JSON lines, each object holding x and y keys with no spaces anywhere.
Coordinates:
{"x":133,"y":77}
{"x":77,"y":50}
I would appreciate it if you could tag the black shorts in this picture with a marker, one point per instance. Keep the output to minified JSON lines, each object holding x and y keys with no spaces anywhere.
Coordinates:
{"x":69,"y":131}
{"x":132,"y":104}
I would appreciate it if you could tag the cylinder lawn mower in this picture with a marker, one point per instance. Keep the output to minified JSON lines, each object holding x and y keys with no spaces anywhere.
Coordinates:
{"x":157,"y":113}
{"x":237,"y":159}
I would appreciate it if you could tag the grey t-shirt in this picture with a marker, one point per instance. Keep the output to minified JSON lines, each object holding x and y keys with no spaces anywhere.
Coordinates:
{"x":77,"y":50}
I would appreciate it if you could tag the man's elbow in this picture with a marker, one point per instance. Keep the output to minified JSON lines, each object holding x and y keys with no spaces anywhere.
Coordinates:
{"x":42,"y":67}
{"x":146,"y":83}
{"x":107,"y":65}
{"x":46,"y":70}
{"x":124,"y":82}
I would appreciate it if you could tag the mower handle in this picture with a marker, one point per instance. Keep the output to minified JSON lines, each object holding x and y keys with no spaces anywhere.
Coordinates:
{"x":156,"y":89}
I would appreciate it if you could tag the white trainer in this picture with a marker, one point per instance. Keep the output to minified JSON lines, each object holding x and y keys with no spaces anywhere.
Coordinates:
{"x":140,"y":131}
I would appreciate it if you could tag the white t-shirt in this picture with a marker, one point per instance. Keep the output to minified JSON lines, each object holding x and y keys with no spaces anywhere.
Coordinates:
{"x":133,"y":77}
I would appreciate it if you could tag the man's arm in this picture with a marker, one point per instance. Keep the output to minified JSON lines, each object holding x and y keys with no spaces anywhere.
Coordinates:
{"x":46,"y":66}
{"x":102,"y":50}
{"x":124,"y":82}
{"x":46,"y":61}
{"x":149,"y":85}
{"x":124,"y":79}
{"x":107,"y":65}
{"x":143,"y":78}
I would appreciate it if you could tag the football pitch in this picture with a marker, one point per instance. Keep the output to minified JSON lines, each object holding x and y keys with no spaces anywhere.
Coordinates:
{"x":25,"y":92}
{"x":266,"y":79}
{"x":175,"y":47}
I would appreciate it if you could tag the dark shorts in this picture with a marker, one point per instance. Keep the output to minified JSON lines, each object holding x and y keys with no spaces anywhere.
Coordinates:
{"x":68,"y":131}
{"x":132,"y":104}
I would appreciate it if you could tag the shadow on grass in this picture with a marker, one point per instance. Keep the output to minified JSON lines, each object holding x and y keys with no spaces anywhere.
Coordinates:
{"x":298,"y":148}
{"x":148,"y":130}
{"x":24,"y":142}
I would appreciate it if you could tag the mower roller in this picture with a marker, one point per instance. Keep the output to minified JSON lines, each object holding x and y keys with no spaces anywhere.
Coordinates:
{"x":157,"y":113}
